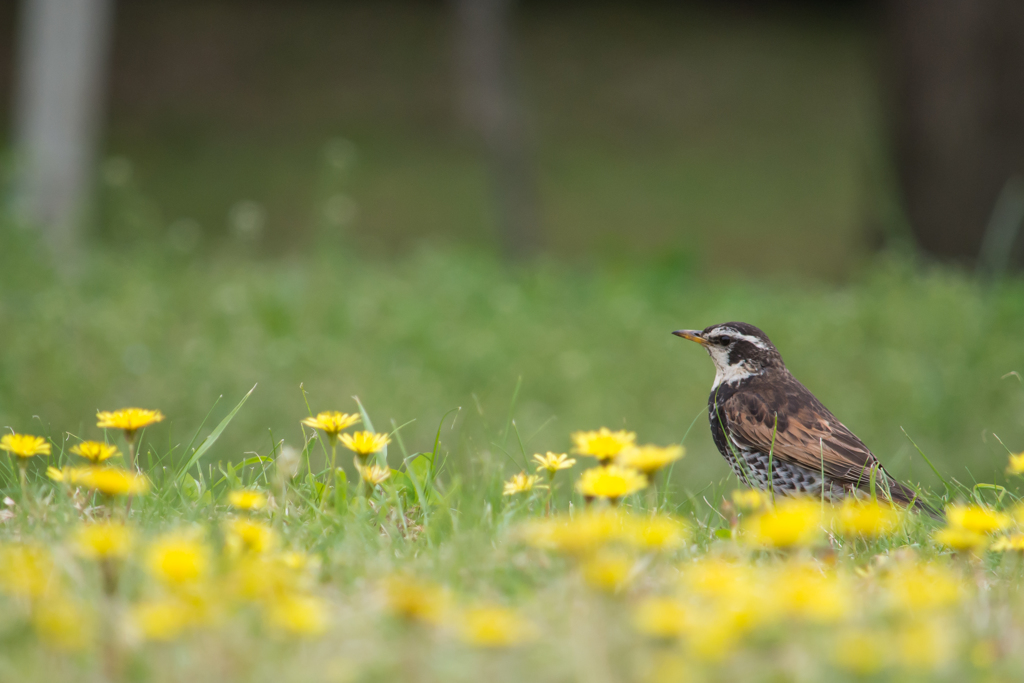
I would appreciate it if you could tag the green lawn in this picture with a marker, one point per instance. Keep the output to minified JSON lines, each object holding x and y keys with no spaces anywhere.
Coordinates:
{"x":556,"y":347}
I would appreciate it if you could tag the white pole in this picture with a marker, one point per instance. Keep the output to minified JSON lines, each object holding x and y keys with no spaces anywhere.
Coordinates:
{"x":62,"y":55}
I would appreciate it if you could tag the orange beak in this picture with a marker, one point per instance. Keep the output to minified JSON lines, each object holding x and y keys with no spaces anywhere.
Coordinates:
{"x":692,"y":335}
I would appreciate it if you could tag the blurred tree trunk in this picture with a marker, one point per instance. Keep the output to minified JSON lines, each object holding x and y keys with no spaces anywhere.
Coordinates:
{"x":491,"y":107}
{"x":62,"y":55}
{"x":958,"y":96}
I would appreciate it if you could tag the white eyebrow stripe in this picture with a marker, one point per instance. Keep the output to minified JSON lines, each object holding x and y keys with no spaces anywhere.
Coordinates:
{"x":739,"y":335}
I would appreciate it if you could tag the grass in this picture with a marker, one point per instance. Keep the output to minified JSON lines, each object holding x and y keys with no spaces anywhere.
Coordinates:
{"x":556,"y":349}
{"x":472,"y":366}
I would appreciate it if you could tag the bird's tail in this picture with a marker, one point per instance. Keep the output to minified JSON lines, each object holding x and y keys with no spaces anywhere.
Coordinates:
{"x":900,"y":493}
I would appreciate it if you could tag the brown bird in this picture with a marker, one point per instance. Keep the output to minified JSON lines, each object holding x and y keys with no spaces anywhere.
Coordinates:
{"x":771,"y":428}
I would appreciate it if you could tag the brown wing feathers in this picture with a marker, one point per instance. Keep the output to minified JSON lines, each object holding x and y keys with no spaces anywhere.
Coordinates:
{"x":805,"y":434}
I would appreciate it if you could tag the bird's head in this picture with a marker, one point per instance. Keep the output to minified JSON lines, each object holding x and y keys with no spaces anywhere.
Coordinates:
{"x":738,"y":350}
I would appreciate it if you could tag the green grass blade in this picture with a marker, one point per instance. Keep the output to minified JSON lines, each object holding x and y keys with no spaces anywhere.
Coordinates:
{"x":212,"y":438}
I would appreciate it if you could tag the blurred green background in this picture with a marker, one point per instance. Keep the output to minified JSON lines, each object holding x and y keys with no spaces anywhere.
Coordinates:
{"x":288,"y":195}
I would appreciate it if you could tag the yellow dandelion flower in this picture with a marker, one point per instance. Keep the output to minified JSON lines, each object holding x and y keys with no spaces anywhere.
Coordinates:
{"x":602,"y":444}
{"x":24,"y":445}
{"x":1005,"y":543}
{"x":976,"y":518}
{"x":913,"y":587}
{"x":660,"y":617}
{"x":128,"y":420}
{"x":959,"y":538}
{"x":247,"y":500}
{"x":331,"y":422}
{"x":804,"y":591}
{"x":610,"y":481}
{"x":247,"y":536}
{"x":750,"y":500}
{"x":866,"y":518}
{"x":649,"y":459}
{"x":95,"y":451}
{"x":553,"y":462}
{"x":178,"y":559}
{"x":608,"y":571}
{"x":793,"y":522}
{"x":365,"y":444}
{"x":62,"y":623}
{"x":414,"y":600}
{"x":1016,"y":464}
{"x":374,"y":475}
{"x":520,"y":483}
{"x":104,"y":540}
{"x":494,"y":627}
{"x":659,"y":532}
{"x":718,"y":579}
{"x":26,"y":570}
{"x":162,"y":620}
{"x":110,"y":481}
{"x":579,"y":535}
{"x":299,"y":615}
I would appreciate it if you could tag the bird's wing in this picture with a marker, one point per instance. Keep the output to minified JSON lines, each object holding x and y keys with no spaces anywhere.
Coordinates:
{"x":805,"y":432}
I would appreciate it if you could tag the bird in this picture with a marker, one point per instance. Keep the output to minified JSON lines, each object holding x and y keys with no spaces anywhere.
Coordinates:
{"x":775,"y":434}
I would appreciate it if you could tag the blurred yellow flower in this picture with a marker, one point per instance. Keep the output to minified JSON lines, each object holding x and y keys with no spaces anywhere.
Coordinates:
{"x":24,"y":445}
{"x":178,"y":558}
{"x":719,"y":579}
{"x":374,"y":475}
{"x":660,"y":617}
{"x":804,"y":591}
{"x":915,"y":586}
{"x":578,"y":535}
{"x":414,"y":600}
{"x":977,"y":518}
{"x":129,"y":420}
{"x":602,"y":444}
{"x":103,"y":540}
{"x":95,"y":451}
{"x":1005,"y":543}
{"x":749,"y":500}
{"x":300,"y":615}
{"x":57,"y":475}
{"x":610,"y":481}
{"x":649,"y":459}
{"x":62,"y":623}
{"x":110,"y":481}
{"x":607,"y":571}
{"x":26,"y":570}
{"x":1016,"y":465}
{"x":553,"y":462}
{"x":520,"y":483}
{"x":331,"y":422}
{"x":365,"y":444}
{"x":659,"y":532}
{"x":866,"y":518}
{"x":959,"y":538}
{"x":494,"y":627}
{"x":247,"y":500}
{"x":793,"y":522}
{"x":163,"y":619}
{"x":247,"y":536}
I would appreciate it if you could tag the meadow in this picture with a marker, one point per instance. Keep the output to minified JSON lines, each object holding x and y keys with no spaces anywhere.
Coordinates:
{"x":242,"y":556}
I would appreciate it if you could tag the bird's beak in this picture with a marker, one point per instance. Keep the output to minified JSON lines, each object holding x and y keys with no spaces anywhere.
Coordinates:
{"x":692,"y":335}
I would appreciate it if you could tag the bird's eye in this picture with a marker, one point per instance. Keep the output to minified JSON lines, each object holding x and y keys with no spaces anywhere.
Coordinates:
{"x":724,"y":341}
